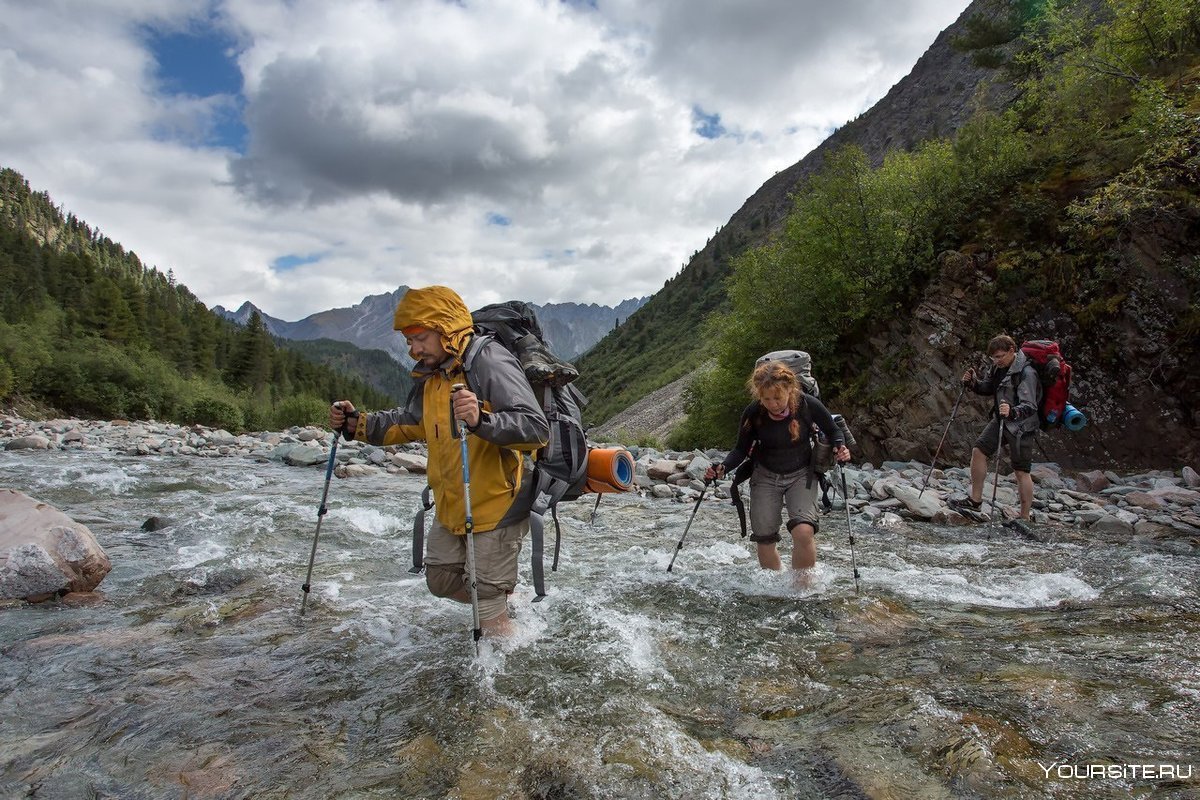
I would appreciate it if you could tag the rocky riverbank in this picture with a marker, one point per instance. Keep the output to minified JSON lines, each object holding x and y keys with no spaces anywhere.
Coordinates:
{"x":1158,"y":504}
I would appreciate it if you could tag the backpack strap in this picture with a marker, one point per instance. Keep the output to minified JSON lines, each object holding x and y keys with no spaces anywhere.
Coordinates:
{"x":806,"y":428}
{"x":735,"y":495}
{"x":478,"y":340}
{"x":418,"y":542}
{"x":547,"y":492}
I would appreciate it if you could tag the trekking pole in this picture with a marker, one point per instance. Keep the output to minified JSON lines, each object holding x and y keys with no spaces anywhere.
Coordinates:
{"x":595,"y":508}
{"x":476,"y":630}
{"x":849,"y":529}
{"x":679,"y":546}
{"x":949,"y":422}
{"x":312,"y":556}
{"x":996,"y":468}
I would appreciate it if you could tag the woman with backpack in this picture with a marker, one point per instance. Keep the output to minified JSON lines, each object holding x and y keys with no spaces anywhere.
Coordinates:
{"x":775,"y":434}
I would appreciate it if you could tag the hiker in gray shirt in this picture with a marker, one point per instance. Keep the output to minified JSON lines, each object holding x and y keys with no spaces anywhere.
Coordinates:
{"x":1013,"y":384}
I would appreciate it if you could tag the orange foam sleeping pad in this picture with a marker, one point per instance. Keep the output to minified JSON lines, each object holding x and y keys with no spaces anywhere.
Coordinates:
{"x":609,"y":469}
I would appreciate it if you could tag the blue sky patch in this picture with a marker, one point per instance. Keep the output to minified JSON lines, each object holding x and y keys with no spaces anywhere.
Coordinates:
{"x":499,"y":220}
{"x":290,"y":262}
{"x":707,"y":125}
{"x":200,"y":62}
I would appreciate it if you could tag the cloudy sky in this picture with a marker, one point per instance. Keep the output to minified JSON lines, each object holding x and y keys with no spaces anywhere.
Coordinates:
{"x":302,"y":154}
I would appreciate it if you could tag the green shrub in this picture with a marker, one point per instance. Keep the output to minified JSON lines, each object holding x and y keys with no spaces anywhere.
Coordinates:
{"x":301,"y":410}
{"x":215,"y":412}
{"x":7,"y":381}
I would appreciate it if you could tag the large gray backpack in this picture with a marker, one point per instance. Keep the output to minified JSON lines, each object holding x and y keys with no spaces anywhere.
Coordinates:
{"x":798,"y":362}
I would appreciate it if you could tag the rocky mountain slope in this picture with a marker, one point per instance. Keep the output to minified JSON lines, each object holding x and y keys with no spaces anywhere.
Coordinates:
{"x":940,"y":93}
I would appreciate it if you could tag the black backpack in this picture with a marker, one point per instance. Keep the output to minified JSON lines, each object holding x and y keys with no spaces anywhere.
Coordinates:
{"x":559,"y":469}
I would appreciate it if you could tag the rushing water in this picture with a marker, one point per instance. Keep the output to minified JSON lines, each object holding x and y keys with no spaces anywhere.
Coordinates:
{"x":964,"y":666}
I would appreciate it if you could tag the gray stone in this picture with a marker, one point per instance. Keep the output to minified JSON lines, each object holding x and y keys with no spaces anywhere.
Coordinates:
{"x":1190,"y":478}
{"x":1145,"y":500}
{"x":222,"y":438}
{"x":44,"y":552}
{"x":889,"y":520}
{"x":662,"y":468}
{"x":1111,"y":524}
{"x":32,"y":442}
{"x":697,"y":467}
{"x":411,"y":462}
{"x":304,"y":456}
{"x":925,"y":506}
{"x":1179,"y":496}
{"x":1093,"y":481}
{"x":1126,"y":516}
{"x":355,"y":470}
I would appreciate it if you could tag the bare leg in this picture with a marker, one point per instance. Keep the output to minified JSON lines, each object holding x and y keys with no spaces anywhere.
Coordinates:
{"x":804,"y":547}
{"x":768,"y":556}
{"x":498,"y":626}
{"x":979,"y":465}
{"x":1025,"y":492}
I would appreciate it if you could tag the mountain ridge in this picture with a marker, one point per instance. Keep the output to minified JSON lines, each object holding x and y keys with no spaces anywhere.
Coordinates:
{"x":569,"y":328}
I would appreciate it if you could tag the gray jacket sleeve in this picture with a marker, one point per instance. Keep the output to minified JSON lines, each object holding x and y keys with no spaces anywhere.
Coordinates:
{"x":516,"y":418}
{"x":400,"y":424}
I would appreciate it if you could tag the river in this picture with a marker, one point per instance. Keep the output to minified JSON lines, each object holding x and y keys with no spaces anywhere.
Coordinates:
{"x":967,"y":663}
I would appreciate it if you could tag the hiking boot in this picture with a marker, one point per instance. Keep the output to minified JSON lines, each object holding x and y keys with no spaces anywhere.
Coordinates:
{"x":541,"y":365}
{"x":965,"y":504}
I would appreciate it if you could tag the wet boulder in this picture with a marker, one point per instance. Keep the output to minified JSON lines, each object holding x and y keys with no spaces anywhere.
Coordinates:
{"x":304,"y":456}
{"x":413,"y":462}
{"x":1093,"y":481}
{"x":43,"y":552}
{"x":1190,"y":478}
{"x":31,"y":442}
{"x":925,"y":506}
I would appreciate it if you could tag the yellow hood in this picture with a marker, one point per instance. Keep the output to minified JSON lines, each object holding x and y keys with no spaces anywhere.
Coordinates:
{"x":438,"y":308}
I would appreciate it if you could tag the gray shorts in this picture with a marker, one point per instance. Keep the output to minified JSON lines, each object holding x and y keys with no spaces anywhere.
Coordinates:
{"x":770,"y":492}
{"x":1020,"y":456}
{"x":496,"y":554}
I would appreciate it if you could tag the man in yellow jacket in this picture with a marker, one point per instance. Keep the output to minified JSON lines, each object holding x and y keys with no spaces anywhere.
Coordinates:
{"x":503,"y":419}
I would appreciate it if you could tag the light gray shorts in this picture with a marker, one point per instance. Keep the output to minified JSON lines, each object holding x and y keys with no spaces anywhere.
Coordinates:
{"x":770,"y":492}
{"x":496,"y":554}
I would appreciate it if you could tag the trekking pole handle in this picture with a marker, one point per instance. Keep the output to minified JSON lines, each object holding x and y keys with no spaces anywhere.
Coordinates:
{"x":348,"y":415}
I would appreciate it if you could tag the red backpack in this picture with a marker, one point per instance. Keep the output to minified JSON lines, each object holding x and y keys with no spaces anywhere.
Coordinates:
{"x":1054,"y":378}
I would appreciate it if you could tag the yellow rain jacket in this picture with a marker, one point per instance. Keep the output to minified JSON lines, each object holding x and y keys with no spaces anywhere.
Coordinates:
{"x":511,"y":420}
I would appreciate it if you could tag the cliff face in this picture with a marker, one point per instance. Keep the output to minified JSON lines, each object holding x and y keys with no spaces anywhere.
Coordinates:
{"x":1138,"y":392}
{"x":1139,"y":389}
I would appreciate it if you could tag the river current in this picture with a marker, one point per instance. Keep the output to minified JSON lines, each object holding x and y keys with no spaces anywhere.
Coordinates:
{"x":967,"y":663}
